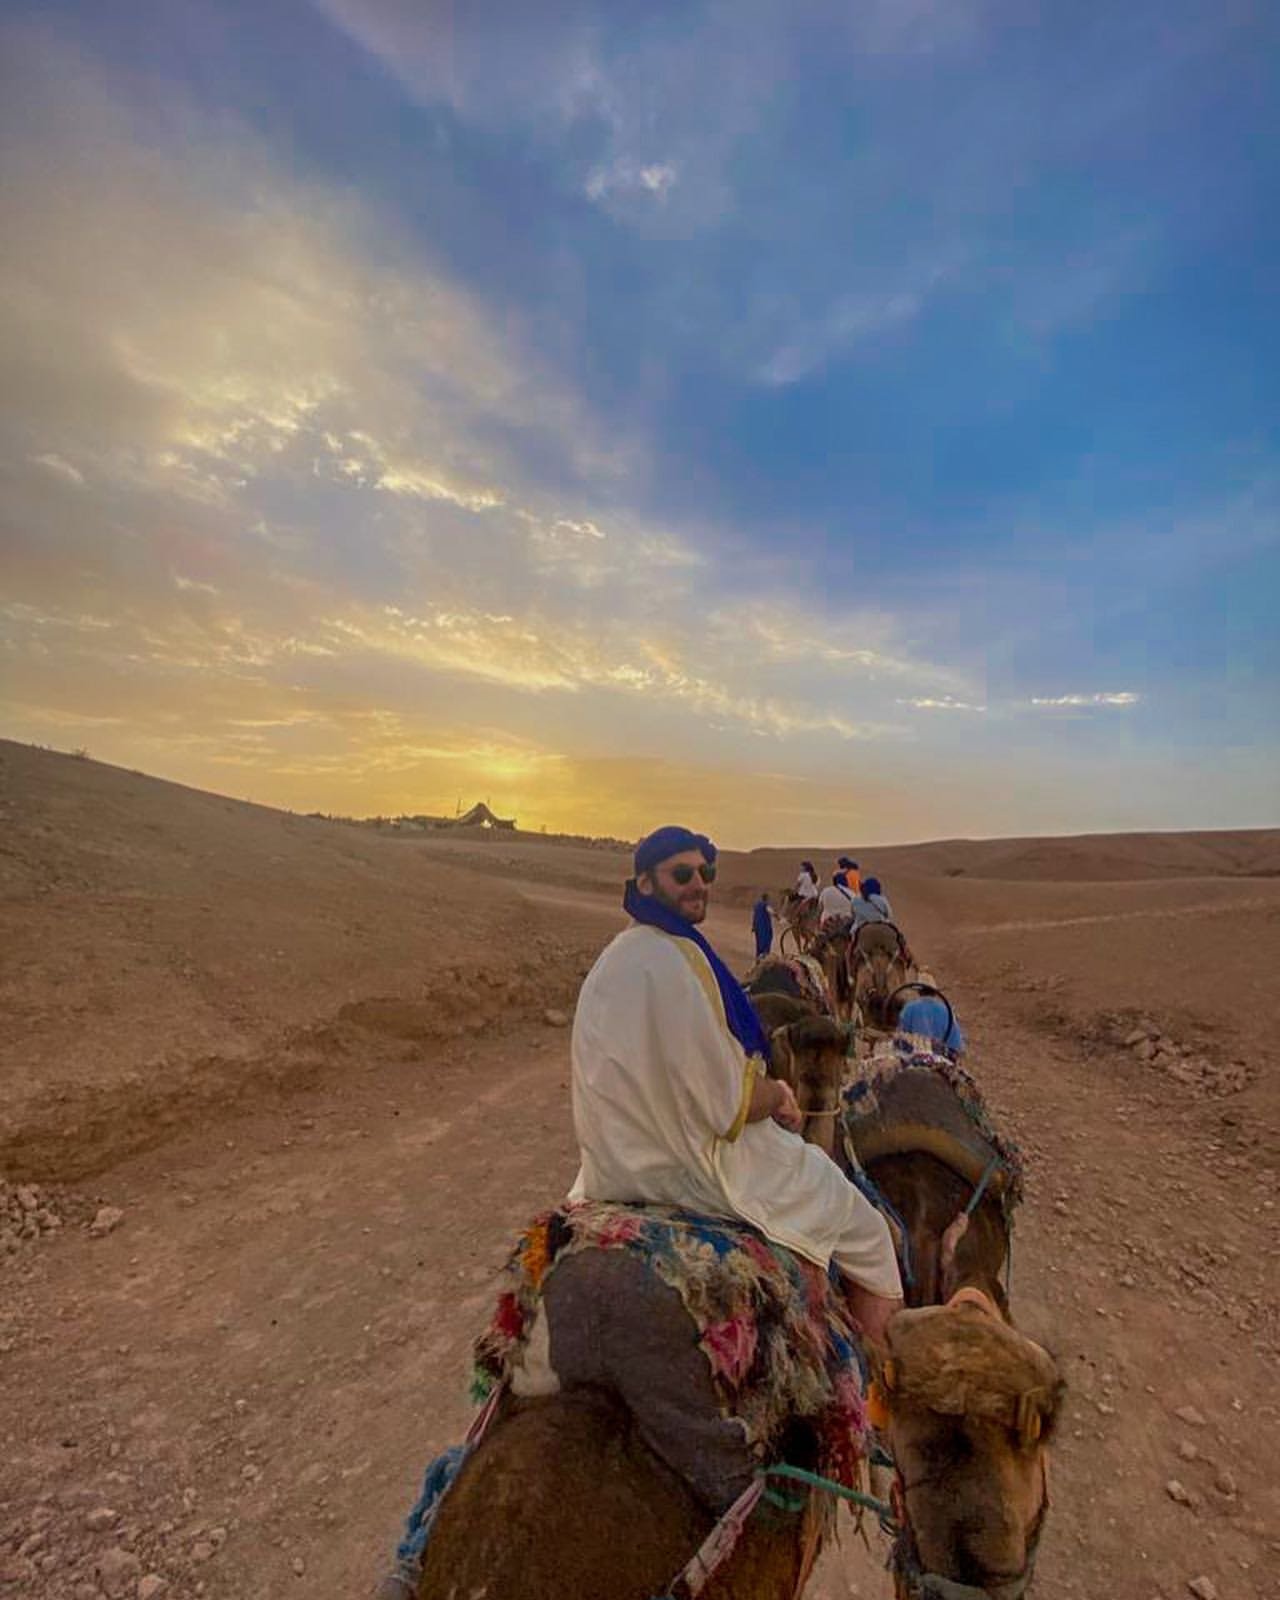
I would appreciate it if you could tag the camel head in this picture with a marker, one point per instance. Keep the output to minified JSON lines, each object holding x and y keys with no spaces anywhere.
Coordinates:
{"x":968,"y":1404}
{"x":810,"y":1055}
{"x":876,"y":967}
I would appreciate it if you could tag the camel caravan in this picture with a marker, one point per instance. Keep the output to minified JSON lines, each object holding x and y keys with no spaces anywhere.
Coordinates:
{"x":778,"y":1288}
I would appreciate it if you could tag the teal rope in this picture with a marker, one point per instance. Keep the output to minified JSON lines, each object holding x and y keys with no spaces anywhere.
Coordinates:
{"x":802,"y":1475}
{"x":992,"y":1167}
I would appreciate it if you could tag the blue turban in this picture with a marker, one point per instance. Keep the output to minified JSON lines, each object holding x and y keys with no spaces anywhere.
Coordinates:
{"x":870,"y":886}
{"x":663,"y":843}
{"x":660,"y":846}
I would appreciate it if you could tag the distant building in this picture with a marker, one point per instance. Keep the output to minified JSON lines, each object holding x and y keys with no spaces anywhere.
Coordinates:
{"x":481,"y":817}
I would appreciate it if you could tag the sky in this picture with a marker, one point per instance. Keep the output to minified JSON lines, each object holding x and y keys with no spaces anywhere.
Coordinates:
{"x":813,"y":422}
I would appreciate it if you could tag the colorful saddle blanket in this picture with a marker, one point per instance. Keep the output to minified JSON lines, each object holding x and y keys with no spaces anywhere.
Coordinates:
{"x":773,"y":1327}
{"x":801,"y":976}
{"x":911,"y":1096}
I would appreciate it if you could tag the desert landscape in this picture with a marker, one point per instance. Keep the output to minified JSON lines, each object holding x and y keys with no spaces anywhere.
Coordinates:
{"x":277,"y":1093}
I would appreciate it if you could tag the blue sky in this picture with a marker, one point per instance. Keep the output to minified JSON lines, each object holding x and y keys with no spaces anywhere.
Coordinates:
{"x":839,"y":422}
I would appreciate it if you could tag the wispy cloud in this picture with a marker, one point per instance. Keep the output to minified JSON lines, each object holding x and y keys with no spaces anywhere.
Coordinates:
{"x":945,"y":703}
{"x":1122,"y":698}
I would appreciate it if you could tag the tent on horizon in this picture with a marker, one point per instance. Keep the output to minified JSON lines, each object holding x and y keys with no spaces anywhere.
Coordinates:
{"x":481,"y":817}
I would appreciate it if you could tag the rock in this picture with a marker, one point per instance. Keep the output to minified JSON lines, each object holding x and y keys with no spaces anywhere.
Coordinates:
{"x":1224,"y":1482}
{"x":1137,"y":1037}
{"x":299,"y":1566}
{"x":1203,"y":1588}
{"x":1179,"y":1492}
{"x":101,"y":1517}
{"x":28,"y":1197}
{"x":1191,"y":1417}
{"x":555,"y":1019}
{"x":118,"y":1572}
{"x":150,"y":1586}
{"x":1188,"y":1450}
{"x":15,"y":1570}
{"x":1145,"y":1051}
{"x":86,"y":1591}
{"x":202,"y":1550}
{"x":106,"y":1220}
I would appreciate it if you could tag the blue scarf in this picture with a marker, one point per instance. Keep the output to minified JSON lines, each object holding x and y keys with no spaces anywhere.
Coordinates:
{"x":740,"y":1014}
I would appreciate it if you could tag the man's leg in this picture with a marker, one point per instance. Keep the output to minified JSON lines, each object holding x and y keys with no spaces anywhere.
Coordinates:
{"x":613,"y":1322}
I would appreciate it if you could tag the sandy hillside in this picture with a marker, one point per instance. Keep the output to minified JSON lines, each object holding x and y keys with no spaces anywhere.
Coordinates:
{"x":319,"y":1076}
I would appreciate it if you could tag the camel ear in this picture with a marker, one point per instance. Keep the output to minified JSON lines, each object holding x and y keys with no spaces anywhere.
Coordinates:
{"x":784,"y":1058}
{"x":1028,"y":1420}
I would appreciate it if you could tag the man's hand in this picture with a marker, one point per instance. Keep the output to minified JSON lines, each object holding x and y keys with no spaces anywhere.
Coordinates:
{"x":786,"y":1111}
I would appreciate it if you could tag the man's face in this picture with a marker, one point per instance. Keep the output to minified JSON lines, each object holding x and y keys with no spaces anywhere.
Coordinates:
{"x":687,"y":900}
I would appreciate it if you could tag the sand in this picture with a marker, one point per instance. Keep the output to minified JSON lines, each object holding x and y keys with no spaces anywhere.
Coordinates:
{"x":309,"y":1065}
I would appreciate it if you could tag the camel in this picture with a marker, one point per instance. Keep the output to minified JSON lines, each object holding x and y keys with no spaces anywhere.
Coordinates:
{"x":809,"y":1053}
{"x":878,"y":963}
{"x":832,"y":949}
{"x":801,"y":924}
{"x":562,"y":1497}
{"x":965,"y":1402}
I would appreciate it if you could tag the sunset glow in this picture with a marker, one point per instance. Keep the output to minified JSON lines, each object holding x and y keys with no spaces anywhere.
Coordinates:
{"x":857,"y":430}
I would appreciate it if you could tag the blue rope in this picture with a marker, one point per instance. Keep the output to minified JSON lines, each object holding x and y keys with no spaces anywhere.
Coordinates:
{"x":802,"y":1475}
{"x":992,"y":1167}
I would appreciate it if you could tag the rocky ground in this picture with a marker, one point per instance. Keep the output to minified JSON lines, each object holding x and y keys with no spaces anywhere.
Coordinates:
{"x":230,"y":1340}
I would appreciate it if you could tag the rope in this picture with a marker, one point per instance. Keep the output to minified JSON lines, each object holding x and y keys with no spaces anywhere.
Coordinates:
{"x":869,"y":1502}
{"x":992,"y":1167}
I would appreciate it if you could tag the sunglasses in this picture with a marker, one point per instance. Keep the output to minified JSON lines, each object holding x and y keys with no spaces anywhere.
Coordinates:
{"x":683,"y":873}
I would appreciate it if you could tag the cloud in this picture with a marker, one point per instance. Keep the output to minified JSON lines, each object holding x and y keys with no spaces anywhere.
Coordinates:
{"x":946,"y":703}
{"x":63,"y":469}
{"x":623,"y":177}
{"x":1123,"y":698}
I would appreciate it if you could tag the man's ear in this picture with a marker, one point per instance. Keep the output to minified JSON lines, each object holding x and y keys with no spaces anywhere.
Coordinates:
{"x":644,"y":882}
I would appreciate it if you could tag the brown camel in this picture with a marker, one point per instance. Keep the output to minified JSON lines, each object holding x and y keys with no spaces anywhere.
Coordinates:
{"x":562,"y":1497}
{"x":967,"y":1405}
{"x":809,"y":1053}
{"x":831,"y":947}
{"x":965,"y":1402}
{"x":878,"y":963}
{"x":801,"y":919}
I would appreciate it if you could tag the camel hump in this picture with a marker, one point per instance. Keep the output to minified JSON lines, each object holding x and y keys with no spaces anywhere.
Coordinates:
{"x":933,"y":1108}
{"x":655,"y":1301}
{"x":878,"y":938}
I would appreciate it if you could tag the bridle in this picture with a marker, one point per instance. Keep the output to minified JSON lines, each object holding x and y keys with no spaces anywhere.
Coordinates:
{"x":911,"y":1579}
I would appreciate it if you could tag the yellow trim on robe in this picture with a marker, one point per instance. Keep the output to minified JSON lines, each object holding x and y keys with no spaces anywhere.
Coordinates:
{"x":753,"y":1066}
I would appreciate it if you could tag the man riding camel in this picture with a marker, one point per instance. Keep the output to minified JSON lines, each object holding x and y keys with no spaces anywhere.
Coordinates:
{"x":930,"y":1016}
{"x":672,"y":1106}
{"x":835,"y":903}
{"x":671,"y":1103}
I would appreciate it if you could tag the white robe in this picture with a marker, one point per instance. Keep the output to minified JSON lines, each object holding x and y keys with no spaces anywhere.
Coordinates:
{"x":661,"y":1090}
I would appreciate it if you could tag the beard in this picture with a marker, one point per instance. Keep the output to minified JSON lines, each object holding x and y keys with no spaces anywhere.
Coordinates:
{"x":689,"y":902}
